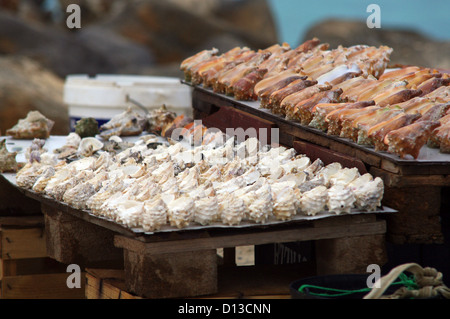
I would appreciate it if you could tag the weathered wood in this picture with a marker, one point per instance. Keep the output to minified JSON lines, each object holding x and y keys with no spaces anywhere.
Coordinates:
{"x":73,"y":240}
{"x":42,"y":286}
{"x":418,"y":217}
{"x":350,"y":254}
{"x":248,"y":282}
{"x":22,"y":243}
{"x":298,"y":233}
{"x":171,"y":275}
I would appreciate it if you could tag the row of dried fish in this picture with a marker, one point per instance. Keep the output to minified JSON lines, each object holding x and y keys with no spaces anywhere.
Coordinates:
{"x":178,"y":185}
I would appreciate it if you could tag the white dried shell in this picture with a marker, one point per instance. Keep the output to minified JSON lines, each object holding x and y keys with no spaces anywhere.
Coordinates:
{"x":313,"y":201}
{"x":230,"y":185}
{"x":344,"y":176}
{"x":154,"y":214}
{"x":46,"y":174}
{"x":261,"y":209}
{"x":360,"y":181}
{"x":369,"y":195}
{"x":89,"y":145}
{"x":231,"y":208}
{"x":129,"y":213}
{"x":313,"y":168}
{"x":340,"y":199}
{"x":206,"y":210}
{"x":284,"y":203}
{"x":27,"y":175}
{"x":296,"y":165}
{"x":189,"y":181}
{"x":78,"y":195}
{"x":213,"y":174}
{"x":325,"y":174}
{"x":181,"y":211}
{"x":251,"y":175}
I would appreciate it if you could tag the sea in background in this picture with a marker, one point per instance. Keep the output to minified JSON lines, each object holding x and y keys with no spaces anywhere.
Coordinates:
{"x":294,"y":17}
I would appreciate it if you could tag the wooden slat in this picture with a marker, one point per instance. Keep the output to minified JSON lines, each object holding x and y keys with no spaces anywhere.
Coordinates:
{"x":30,"y":266}
{"x":275,"y":236}
{"x":23,"y":243}
{"x":45,"y":286}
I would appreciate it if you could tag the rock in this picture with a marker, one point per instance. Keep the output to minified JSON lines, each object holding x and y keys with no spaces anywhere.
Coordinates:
{"x":172,"y":32}
{"x":410,"y":47}
{"x":90,"y":51}
{"x":26,"y":86}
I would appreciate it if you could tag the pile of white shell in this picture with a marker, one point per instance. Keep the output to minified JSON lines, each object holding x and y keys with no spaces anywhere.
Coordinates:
{"x":177,"y":185}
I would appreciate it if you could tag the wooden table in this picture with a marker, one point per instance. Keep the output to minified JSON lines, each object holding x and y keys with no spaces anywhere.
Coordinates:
{"x":183,"y":263}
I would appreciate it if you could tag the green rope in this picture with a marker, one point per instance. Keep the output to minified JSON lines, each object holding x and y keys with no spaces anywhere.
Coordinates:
{"x":408,"y":282}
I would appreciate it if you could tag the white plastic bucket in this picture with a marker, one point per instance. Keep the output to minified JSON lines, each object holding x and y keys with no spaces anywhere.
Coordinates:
{"x":104,"y":96}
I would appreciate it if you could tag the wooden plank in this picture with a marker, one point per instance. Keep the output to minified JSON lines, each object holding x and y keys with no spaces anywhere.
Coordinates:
{"x":44,"y":286}
{"x":23,"y":243}
{"x":22,"y":221}
{"x":395,"y":180}
{"x":30,"y":266}
{"x":300,"y":233}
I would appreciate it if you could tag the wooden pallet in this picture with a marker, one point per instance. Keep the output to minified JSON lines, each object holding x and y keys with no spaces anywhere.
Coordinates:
{"x":413,"y":187}
{"x":26,"y":272}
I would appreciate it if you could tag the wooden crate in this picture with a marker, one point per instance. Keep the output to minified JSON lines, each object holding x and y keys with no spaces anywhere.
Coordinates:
{"x":26,"y":272}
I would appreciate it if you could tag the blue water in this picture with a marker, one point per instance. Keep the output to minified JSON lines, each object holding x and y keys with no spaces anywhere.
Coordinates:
{"x":294,"y":17}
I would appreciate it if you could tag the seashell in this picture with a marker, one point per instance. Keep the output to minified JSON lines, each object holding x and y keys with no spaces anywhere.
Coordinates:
{"x":154,"y":215}
{"x":369,"y":195}
{"x":206,"y":210}
{"x":360,"y":181}
{"x":33,"y":153}
{"x":181,"y":211}
{"x":298,"y":178}
{"x":340,"y":199}
{"x":313,"y":201}
{"x":344,"y":176}
{"x":88,"y":146}
{"x":49,"y":159}
{"x":129,"y":213}
{"x":188,"y":181}
{"x":312,"y":169}
{"x":34,"y":125}
{"x":78,"y":195}
{"x":231,"y":208}
{"x":284,"y":201}
{"x":126,"y":123}
{"x":230,"y":185}
{"x":45,"y":175}
{"x":8,"y":161}
{"x":27,"y":175}
{"x":86,"y":127}
{"x":251,"y":175}
{"x":296,"y":165}
{"x":261,"y":209}
{"x":213,"y":174}
{"x":325,"y":174}
{"x":105,"y":160}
